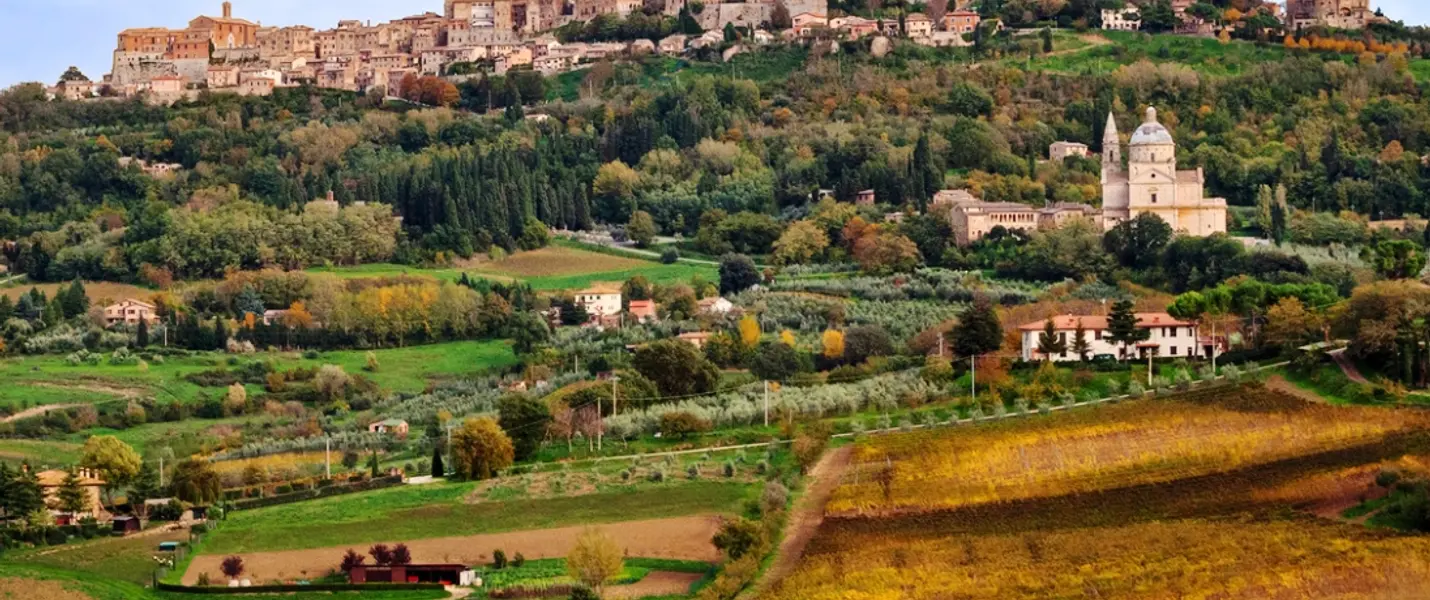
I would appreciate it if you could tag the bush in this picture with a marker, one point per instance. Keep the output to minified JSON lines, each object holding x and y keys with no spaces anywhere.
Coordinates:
{"x":693,"y":471}
{"x":498,"y":559}
{"x":518,"y":561}
{"x":1387,"y":478}
{"x":670,"y":256}
{"x":657,"y":475}
{"x":311,"y":355}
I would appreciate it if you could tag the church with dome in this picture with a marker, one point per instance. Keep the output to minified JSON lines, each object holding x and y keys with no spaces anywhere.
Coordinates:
{"x":1151,"y":183}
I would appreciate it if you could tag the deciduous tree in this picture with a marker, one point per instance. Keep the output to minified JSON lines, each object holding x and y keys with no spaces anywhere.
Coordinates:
{"x":480,"y":449}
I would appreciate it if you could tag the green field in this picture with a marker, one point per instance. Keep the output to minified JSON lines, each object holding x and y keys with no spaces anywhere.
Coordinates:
{"x":561,"y":266}
{"x":437,"y":510}
{"x":39,"y":453}
{"x":35,"y":380}
{"x":124,"y":559}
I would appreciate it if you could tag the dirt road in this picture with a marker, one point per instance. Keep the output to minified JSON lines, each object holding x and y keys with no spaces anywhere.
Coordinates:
{"x":685,"y":538}
{"x":805,"y":519}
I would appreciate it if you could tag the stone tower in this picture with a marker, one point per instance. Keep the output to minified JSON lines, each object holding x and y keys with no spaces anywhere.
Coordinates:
{"x":1111,"y":149}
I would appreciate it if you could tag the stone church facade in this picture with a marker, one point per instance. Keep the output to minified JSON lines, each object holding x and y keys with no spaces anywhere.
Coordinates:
{"x":1151,"y":183}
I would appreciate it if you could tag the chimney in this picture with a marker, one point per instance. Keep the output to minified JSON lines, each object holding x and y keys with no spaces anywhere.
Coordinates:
{"x":330,"y":196}
{"x":228,"y":10}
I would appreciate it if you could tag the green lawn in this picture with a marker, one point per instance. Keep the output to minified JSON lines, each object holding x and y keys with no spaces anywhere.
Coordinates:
{"x":437,"y":510}
{"x":40,"y":453}
{"x":124,"y":559}
{"x":560,"y":268}
{"x":35,"y":380}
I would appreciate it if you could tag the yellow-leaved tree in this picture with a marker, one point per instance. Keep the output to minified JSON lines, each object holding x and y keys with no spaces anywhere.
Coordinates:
{"x":749,"y":331}
{"x":595,"y":559}
{"x":833,"y":343}
{"x":787,"y":338}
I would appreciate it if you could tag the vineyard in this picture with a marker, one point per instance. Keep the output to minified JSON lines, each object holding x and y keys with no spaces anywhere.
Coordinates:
{"x":1118,"y":446}
{"x":1152,"y":499}
{"x":1183,"y":559}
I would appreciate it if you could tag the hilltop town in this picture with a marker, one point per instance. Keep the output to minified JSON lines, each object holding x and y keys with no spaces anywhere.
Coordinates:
{"x":232,"y":54}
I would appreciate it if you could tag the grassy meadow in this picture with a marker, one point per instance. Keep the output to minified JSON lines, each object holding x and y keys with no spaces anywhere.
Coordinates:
{"x":440,"y":510}
{"x":1081,"y":504}
{"x":554,"y":268}
{"x":38,"y":582}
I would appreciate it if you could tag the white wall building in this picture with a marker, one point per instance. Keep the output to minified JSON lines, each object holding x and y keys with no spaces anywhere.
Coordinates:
{"x":1116,"y":18}
{"x":600,"y":302}
{"x":1169,"y":338}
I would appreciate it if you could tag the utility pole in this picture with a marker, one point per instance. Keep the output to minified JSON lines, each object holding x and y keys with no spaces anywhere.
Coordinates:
{"x":161,"y":472}
{"x":1149,"y":369}
{"x":973,"y":368}
{"x":615,"y":400}
{"x":767,"y":403}
{"x":940,"y":344}
{"x":327,"y":457}
{"x":599,"y":423}
{"x":449,"y":451}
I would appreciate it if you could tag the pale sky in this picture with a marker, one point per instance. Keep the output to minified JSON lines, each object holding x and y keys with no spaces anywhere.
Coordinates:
{"x":40,"y":38}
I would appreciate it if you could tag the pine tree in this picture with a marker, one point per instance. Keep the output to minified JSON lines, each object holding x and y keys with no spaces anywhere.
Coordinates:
{"x":248,"y":301}
{"x":1049,"y":342}
{"x":7,"y":486}
{"x":373,"y":464}
{"x":25,"y":493}
{"x":71,"y":496}
{"x":220,"y":333}
{"x":438,"y":470}
{"x":146,"y":486}
{"x":978,"y":330}
{"x":74,"y":300}
{"x":7,"y":306}
{"x":1080,"y":345}
{"x":1122,"y":326}
{"x":141,"y":337}
{"x":54,"y":313}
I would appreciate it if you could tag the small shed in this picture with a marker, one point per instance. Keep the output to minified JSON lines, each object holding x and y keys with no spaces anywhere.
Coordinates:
{"x":126,"y":525}
{"x":445,"y":574}
{"x":168,"y":546}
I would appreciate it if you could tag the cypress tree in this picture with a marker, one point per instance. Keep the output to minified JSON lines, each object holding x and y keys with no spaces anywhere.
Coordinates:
{"x":141,"y":337}
{"x":438,"y":470}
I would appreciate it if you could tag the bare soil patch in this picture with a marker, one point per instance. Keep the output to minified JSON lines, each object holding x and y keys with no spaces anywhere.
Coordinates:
{"x":555,"y":260}
{"x":686,"y":538}
{"x":30,"y":589}
{"x":656,"y":583}
{"x":37,"y":411}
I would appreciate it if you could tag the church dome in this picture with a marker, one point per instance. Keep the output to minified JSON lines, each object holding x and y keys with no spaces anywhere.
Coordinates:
{"x":1151,"y":132}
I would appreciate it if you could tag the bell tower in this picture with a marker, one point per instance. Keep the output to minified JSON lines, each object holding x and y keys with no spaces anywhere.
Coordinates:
{"x":1111,"y":149}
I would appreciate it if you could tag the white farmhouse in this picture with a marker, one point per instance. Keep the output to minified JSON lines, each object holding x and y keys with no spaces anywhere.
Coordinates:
{"x":600,"y":302}
{"x":1169,"y":337}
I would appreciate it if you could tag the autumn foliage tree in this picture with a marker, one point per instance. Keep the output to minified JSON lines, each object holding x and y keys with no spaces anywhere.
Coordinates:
{"x":480,"y":448}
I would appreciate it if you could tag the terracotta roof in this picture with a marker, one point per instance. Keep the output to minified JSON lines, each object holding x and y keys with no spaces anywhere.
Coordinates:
{"x":56,"y":477}
{"x":695,"y":335}
{"x":1091,"y":322}
{"x":638,"y":306}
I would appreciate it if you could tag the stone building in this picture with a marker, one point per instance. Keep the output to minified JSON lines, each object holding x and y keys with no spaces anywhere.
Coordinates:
{"x":1151,"y":182}
{"x":1127,"y":18}
{"x":1338,"y":14}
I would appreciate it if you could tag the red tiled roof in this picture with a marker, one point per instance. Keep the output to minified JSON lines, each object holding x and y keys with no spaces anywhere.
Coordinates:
{"x":1091,"y":322}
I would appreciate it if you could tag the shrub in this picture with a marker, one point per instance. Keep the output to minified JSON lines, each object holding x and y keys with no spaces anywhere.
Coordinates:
{"x":657,"y":475}
{"x":311,"y":355}
{"x":498,"y":559}
{"x":1387,"y":478}
{"x":518,"y":560}
{"x":693,"y":471}
{"x":729,"y":469}
{"x":204,"y":579}
{"x":670,"y":256}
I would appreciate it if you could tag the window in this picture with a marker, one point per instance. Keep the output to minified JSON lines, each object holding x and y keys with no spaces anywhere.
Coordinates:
{"x":1097,"y":334}
{"x":1154,"y":197}
{"x":1174,"y":332}
{"x":1191,"y":351}
{"x":1174,"y":350}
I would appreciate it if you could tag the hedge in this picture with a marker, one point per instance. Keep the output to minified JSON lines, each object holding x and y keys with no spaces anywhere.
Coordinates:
{"x":293,"y":587}
{"x":320,"y":492}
